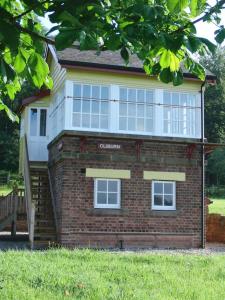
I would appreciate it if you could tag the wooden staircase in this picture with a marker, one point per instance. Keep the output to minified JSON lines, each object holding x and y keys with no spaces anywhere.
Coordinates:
{"x":44,"y":223}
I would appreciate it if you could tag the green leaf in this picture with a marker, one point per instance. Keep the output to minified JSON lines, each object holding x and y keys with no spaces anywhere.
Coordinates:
{"x":166,"y":75}
{"x":198,"y":70}
{"x":177,"y":5}
{"x":169,"y":59}
{"x":177,"y":78}
{"x":171,"y":4}
{"x":165,"y":59}
{"x":220,"y":35}
{"x":193,"y":43}
{"x":19,"y":63}
{"x":210,"y":45}
{"x":125,"y":54}
{"x":174,"y":62}
{"x":193,"y":7}
{"x":65,"y":39}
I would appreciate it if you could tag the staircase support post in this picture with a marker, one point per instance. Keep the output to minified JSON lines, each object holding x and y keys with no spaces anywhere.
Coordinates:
{"x":15,"y":206}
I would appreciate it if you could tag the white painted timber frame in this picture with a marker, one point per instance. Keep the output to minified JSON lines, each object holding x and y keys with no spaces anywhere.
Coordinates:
{"x":114,"y":111}
{"x":162,"y":207}
{"x":112,"y":206}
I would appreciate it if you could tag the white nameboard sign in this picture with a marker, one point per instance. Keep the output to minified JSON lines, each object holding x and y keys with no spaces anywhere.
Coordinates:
{"x":109,"y":146}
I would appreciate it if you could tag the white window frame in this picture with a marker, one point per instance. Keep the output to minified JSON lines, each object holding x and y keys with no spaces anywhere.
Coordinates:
{"x":136,"y":103}
{"x":114,"y":206}
{"x":113,"y":115}
{"x":38,"y":122}
{"x":162,"y":207}
{"x":185,"y":110}
{"x":100,"y":85}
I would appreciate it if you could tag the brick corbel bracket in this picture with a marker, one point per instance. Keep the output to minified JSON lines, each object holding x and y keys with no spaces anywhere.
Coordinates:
{"x":138,"y":145}
{"x":83,"y":144}
{"x":189,"y":150}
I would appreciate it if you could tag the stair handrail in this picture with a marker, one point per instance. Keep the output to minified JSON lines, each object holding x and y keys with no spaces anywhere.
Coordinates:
{"x":6,"y":206}
{"x":53,"y":204}
{"x":30,"y":205}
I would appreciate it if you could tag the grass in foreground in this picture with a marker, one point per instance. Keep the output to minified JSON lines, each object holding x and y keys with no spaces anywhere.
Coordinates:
{"x":84,"y":274}
{"x":217,"y":207}
{"x":4,"y":190}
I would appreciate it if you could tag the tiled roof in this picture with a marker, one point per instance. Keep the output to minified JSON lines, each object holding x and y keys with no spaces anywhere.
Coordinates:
{"x":108,"y":59}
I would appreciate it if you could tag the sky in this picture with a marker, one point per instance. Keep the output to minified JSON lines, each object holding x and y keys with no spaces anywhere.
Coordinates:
{"x":204,"y":29}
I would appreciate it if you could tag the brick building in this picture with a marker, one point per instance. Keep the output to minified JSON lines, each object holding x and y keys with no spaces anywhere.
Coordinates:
{"x":114,"y":159}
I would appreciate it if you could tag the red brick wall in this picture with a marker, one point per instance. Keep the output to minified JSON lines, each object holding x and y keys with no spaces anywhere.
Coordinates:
{"x":215,"y":232}
{"x":134,"y":225}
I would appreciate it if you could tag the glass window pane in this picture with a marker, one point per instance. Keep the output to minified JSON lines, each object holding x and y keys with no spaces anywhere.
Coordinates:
{"x":112,"y":186}
{"x":158,"y":200}
{"x":86,"y":108}
{"x":33,"y":122}
{"x":43,"y":120}
{"x":123,"y":124}
{"x":112,"y":198}
{"x":166,"y":98}
{"x":86,"y":120}
{"x":86,"y":91}
{"x":131,"y":109}
{"x":76,"y":105}
{"x":166,"y":126}
{"x":132,"y":95}
{"x":131,"y":124}
{"x":149,"y":96}
{"x":102,"y":185}
{"x":76,"y":120}
{"x":158,"y":188}
{"x":140,"y":96}
{"x":168,"y":200}
{"x":175,"y":99}
{"x":123,"y":94}
{"x":183,"y":99}
{"x":123,"y":109}
{"x":102,"y":198}
{"x":140,"y":110}
{"x":149,"y":111}
{"x":140,"y":124}
{"x":95,"y":107}
{"x":77,"y":90}
{"x":166,"y":113}
{"x":104,"y":122}
{"x":104,"y":108}
{"x":168,"y":188}
{"x":96,"y":92}
{"x":105,"y":93}
{"x":149,"y":125}
{"x":94,"y":121}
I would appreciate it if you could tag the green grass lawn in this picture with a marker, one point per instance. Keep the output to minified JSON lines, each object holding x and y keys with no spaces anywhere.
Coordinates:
{"x":92,"y":275}
{"x":4,"y":190}
{"x":217,"y":207}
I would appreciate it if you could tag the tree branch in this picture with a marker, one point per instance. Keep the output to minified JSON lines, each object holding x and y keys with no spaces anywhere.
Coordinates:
{"x":32,"y":7}
{"x":34,"y":34}
{"x":209,"y":13}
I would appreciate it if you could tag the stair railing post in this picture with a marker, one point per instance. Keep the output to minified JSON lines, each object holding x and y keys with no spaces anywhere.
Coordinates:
{"x":15,"y":208}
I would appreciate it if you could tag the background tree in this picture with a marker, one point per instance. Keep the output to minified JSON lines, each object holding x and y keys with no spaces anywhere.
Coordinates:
{"x":9,"y":132}
{"x":215,"y":117}
{"x":161,"y":33}
{"x":215,"y":97}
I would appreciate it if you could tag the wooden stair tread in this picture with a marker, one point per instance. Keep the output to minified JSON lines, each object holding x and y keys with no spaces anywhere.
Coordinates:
{"x":44,"y":230}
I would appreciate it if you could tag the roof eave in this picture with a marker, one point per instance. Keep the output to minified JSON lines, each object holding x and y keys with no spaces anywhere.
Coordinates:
{"x":97,"y":66}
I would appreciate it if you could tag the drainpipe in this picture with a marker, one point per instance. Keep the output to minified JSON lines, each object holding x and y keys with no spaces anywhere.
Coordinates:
{"x":203,"y":167}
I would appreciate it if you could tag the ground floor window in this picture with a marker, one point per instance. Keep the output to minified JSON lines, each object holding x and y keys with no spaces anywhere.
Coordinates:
{"x":107,"y":193}
{"x":163,"y":195}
